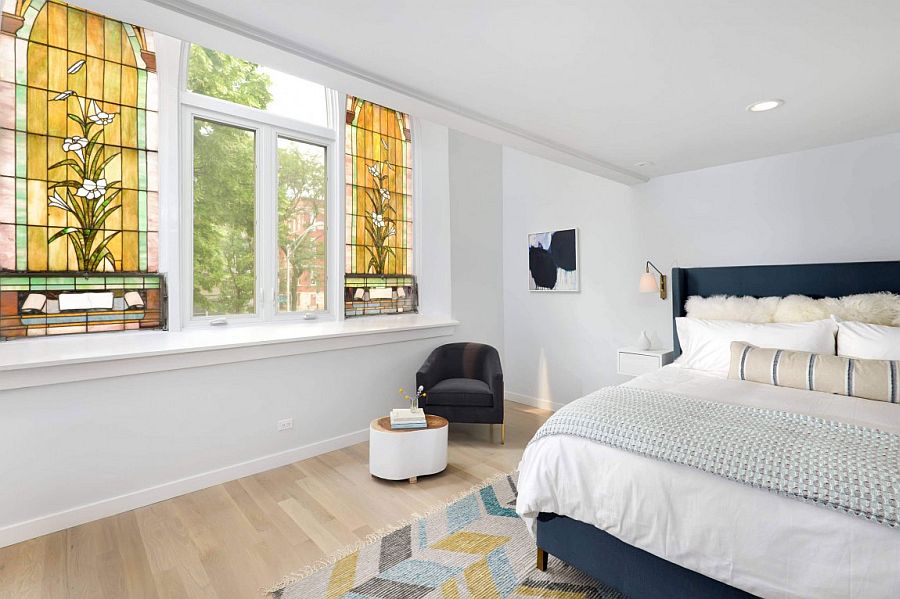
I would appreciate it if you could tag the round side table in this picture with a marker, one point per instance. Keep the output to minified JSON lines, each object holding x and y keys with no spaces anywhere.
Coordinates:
{"x":407,"y":453}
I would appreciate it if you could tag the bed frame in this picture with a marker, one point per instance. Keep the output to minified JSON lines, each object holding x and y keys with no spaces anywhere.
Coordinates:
{"x":640,"y":574}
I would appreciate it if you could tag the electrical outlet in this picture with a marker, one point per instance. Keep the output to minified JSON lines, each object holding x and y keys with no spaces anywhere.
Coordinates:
{"x":285,"y":424}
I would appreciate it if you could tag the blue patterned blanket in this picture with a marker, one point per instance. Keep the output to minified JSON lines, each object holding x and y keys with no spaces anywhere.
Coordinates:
{"x":832,"y":464}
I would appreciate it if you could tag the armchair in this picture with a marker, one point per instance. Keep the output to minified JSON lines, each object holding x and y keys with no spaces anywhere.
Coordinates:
{"x":463,"y":382}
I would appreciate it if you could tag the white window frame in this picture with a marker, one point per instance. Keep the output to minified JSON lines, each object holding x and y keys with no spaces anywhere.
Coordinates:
{"x":267,"y":127}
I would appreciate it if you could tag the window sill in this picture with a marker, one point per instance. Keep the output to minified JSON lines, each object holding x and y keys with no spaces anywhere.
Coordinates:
{"x":34,"y":362}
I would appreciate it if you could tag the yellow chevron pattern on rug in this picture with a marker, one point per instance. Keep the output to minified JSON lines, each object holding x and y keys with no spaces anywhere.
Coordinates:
{"x":471,"y":542}
{"x":475,"y":547}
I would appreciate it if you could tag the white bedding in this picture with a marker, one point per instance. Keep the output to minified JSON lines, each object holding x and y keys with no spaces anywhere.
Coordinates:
{"x":764,"y":543}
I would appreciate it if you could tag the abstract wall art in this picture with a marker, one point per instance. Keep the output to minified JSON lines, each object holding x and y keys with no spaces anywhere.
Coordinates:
{"x":553,"y":260}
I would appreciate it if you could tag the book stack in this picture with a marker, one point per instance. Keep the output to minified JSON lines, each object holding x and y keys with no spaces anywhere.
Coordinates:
{"x":405,"y":419}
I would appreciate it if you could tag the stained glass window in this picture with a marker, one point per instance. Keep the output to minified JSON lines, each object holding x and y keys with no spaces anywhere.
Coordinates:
{"x":379,"y":273}
{"x":78,"y":173}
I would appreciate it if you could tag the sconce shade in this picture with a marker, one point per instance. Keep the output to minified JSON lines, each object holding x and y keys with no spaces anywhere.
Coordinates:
{"x":648,"y":283}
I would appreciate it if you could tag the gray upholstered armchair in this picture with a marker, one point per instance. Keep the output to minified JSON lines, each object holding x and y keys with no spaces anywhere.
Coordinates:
{"x":464,"y":383}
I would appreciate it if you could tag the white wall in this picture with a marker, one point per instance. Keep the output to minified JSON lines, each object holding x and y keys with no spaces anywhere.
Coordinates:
{"x":79,"y":451}
{"x":559,"y":345}
{"x":838,"y":203}
{"x":476,"y":209}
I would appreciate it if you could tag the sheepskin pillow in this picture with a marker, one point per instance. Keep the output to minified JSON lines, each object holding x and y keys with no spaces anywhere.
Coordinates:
{"x":874,"y":308}
{"x":733,"y":307}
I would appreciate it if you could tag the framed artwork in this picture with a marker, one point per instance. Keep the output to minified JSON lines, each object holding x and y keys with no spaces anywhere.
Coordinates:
{"x":553,"y":260}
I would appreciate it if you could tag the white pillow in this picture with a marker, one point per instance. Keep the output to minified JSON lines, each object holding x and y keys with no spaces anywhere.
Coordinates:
{"x":868,"y":341}
{"x":706,"y":344}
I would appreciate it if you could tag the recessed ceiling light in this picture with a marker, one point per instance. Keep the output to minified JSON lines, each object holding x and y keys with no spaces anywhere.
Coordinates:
{"x":764,"y":105}
{"x":643,"y":163}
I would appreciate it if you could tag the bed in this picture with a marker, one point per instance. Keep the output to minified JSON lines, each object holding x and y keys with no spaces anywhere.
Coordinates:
{"x":655,"y":529}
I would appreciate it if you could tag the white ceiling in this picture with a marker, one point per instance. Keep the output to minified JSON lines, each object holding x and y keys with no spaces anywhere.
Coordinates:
{"x":622,"y":81}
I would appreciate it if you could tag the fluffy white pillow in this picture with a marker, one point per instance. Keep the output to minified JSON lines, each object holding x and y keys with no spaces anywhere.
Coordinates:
{"x":868,"y":341}
{"x":706,"y":344}
{"x":733,"y":307}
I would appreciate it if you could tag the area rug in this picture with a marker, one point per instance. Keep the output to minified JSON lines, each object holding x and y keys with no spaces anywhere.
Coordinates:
{"x":473,"y":547}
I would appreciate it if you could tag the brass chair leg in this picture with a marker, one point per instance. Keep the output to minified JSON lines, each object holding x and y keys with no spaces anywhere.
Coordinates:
{"x":541,"y":560}
{"x":502,"y":433}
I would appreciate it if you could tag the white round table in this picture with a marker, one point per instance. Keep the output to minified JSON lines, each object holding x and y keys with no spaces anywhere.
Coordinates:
{"x":408,"y":453}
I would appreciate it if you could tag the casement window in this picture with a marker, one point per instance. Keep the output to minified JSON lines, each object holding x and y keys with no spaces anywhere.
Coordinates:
{"x":259,"y":152}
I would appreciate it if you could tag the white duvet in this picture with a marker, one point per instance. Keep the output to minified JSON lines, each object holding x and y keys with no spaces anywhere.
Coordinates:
{"x":766,"y":544}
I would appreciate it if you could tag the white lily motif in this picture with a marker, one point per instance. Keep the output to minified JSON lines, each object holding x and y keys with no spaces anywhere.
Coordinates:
{"x":76,"y":66}
{"x":385,"y":194}
{"x":57,"y":202}
{"x":373,"y":170}
{"x":76,"y":144}
{"x":92,"y":189}
{"x":63,"y":95}
{"x":100,"y":117}
{"x":377,"y":219}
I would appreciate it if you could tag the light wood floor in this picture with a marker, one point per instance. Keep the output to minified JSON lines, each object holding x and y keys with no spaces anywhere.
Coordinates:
{"x":234,"y":539}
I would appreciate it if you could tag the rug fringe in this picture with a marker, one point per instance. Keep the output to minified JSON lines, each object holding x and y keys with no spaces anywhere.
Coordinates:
{"x":309,"y":570}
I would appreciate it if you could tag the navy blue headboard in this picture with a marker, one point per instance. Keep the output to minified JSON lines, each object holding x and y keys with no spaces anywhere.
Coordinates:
{"x":814,"y":280}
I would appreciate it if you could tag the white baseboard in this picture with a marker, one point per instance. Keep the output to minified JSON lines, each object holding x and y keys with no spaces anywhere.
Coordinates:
{"x":535,"y":402}
{"x":29,"y":529}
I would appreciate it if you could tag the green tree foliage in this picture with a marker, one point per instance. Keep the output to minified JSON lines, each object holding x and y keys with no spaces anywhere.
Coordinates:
{"x":301,"y":214}
{"x":224,"y":194}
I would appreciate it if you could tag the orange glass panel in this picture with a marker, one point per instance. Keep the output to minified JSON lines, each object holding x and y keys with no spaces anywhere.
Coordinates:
{"x":129,"y":251}
{"x":57,"y":25}
{"x":37,"y":248}
{"x":95,"y":35}
{"x":128,"y":125}
{"x":129,"y":87}
{"x":77,"y":30}
{"x":129,"y":160}
{"x":127,"y":51}
{"x":37,"y":205}
{"x":37,"y":65}
{"x":39,"y":28}
{"x":94,"y":73}
{"x":58,"y":250}
{"x":113,"y":41}
{"x":37,"y":111}
{"x":57,"y":79}
{"x":129,"y":210}
{"x":112,"y":83}
{"x":77,"y":81}
{"x":57,"y":119}
{"x":37,"y":158}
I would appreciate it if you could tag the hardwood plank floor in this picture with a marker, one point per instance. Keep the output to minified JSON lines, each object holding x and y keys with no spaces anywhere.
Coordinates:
{"x":234,"y":539}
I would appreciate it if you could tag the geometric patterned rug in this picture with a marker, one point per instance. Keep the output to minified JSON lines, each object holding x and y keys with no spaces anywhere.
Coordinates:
{"x":474,"y":547}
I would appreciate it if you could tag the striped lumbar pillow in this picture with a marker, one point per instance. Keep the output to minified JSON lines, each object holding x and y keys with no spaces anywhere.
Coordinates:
{"x":870,"y":379}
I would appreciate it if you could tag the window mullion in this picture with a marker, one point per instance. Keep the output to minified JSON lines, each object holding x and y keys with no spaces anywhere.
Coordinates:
{"x":266,"y":196}
{"x":337,"y":208}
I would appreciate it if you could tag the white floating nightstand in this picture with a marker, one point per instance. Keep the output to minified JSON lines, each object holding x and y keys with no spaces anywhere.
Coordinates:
{"x":634,"y":362}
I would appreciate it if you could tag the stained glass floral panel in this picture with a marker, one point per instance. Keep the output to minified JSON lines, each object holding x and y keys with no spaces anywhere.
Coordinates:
{"x":77,"y":157}
{"x":379,"y":210}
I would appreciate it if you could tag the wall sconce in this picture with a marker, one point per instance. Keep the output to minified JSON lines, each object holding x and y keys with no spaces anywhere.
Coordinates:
{"x":648,"y":281}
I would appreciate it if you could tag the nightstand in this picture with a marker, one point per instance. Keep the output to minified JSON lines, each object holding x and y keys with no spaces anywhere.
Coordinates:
{"x":634,"y":362}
